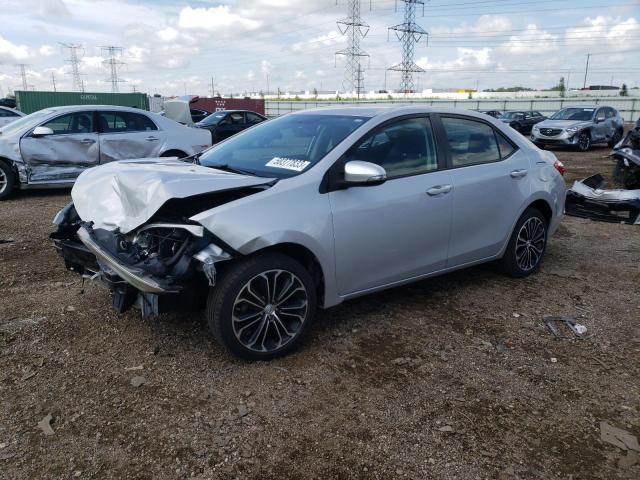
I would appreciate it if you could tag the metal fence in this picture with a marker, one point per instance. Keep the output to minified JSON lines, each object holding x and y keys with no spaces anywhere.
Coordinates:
{"x":628,"y":107}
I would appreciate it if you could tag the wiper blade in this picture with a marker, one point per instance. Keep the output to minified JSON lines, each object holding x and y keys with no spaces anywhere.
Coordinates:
{"x":227,"y":168}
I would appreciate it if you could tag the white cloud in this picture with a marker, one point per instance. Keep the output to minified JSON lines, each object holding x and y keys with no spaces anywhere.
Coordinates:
{"x":215,"y":19}
{"x":484,"y":24}
{"x":531,"y":41}
{"x":168,"y":34}
{"x":613,"y":31}
{"x":10,"y":52}
{"x":46,"y":50}
{"x":331,"y":38}
{"x":266,"y":66}
{"x":251,"y":75}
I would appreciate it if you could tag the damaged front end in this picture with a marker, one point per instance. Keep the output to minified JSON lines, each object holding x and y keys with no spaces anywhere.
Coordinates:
{"x":589,"y":199}
{"x":157,"y":267}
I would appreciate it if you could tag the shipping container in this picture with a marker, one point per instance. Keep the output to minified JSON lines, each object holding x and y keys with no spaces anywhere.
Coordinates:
{"x":218,"y":103}
{"x":29,"y":102}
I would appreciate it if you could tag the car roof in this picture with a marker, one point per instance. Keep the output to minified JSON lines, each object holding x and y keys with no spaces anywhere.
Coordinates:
{"x":584,"y":106}
{"x":374,"y":110}
{"x":236,"y":111}
{"x":74,"y":108}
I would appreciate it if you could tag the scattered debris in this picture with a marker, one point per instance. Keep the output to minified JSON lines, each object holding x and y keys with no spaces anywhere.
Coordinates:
{"x":7,"y":456}
{"x":578,"y":330}
{"x":516,"y":315}
{"x":6,"y":240}
{"x":588,"y":199}
{"x":138,"y":381}
{"x":618,"y":437}
{"x":243,"y":411}
{"x":14,"y":325}
{"x":28,"y":375}
{"x":554,"y":360}
{"x":71,"y":308}
{"x":45,"y":425}
{"x":130,"y":369}
{"x":446,"y":428}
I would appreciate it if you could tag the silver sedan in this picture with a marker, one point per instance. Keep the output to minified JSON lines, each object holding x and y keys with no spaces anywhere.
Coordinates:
{"x":312,"y":209}
{"x":51,"y":147}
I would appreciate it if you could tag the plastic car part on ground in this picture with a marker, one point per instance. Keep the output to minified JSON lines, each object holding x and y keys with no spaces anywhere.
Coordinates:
{"x":588,"y":198}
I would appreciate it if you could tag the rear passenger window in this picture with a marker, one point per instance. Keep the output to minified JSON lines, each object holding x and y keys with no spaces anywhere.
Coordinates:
{"x":470,"y":142}
{"x":118,"y":122}
{"x":402,"y":148}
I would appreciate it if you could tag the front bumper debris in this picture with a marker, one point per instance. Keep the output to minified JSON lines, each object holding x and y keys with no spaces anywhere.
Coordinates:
{"x":587,"y":199}
{"x":158,"y":267}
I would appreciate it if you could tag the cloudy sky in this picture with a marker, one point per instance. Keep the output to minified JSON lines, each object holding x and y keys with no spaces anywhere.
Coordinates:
{"x":177,"y":47}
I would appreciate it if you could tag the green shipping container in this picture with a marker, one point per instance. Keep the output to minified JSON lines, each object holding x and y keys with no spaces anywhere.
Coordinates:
{"x":29,"y":102}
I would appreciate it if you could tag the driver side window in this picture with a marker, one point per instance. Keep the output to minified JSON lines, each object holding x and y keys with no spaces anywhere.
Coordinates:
{"x":402,"y":148}
{"x":79,"y":122}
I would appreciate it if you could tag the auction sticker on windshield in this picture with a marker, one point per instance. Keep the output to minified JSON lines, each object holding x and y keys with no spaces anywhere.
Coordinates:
{"x":288,"y":163}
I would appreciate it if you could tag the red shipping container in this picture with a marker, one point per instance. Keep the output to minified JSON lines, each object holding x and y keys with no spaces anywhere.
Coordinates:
{"x":218,"y":103}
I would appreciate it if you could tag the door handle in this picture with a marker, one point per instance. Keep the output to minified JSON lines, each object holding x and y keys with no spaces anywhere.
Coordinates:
{"x":87,"y":140}
{"x":152,"y":139}
{"x":519,"y":173}
{"x":439,"y":190}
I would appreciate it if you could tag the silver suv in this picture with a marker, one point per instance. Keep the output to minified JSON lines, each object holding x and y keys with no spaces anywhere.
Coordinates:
{"x":580,"y":127}
{"x":312,"y":209}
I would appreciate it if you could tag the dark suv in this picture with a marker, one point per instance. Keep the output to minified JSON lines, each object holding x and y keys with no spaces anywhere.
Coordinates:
{"x":522,"y":120}
{"x":225,"y":123}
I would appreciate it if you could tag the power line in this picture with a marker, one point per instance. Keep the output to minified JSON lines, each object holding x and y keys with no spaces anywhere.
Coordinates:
{"x":113,"y":62}
{"x":354,"y":28}
{"x":74,"y":61}
{"x":409,"y":33}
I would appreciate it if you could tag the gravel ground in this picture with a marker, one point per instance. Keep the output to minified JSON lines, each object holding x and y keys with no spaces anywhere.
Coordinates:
{"x":454,"y":377}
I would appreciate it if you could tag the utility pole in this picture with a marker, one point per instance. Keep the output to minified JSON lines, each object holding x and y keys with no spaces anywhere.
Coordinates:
{"x":74,"y":61}
{"x":213,"y":90}
{"x":586,"y":71}
{"x":267,"y":83}
{"x":53,"y":81}
{"x":409,"y":33}
{"x":355,"y":29}
{"x":23,"y":74}
{"x":113,"y":62}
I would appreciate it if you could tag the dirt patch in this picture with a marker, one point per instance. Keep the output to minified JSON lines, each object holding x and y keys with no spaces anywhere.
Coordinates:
{"x":455,"y":377}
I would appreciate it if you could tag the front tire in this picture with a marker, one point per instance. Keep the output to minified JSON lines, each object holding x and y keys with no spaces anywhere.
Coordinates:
{"x":584,"y":142}
{"x":262,"y":306}
{"x":7,"y":181}
{"x":527,"y":244}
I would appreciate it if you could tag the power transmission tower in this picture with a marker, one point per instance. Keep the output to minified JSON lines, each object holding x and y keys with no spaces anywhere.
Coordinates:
{"x":23,"y":75}
{"x":113,"y":62}
{"x":355,"y":29}
{"x":74,"y":61}
{"x":409,"y":33}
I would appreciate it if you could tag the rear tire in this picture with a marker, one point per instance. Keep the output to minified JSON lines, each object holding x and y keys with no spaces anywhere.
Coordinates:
{"x":7,"y":181}
{"x":527,"y":245}
{"x":262,"y":306}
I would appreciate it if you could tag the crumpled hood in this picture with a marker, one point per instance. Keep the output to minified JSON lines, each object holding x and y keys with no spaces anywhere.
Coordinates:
{"x":126,"y":194}
{"x":563,"y":123}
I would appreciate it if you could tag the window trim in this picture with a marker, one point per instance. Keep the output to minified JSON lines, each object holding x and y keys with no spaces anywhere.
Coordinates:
{"x":443,"y":139}
{"x":98,"y":124}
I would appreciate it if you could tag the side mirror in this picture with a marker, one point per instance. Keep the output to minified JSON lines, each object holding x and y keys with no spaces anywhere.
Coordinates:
{"x":41,"y":132}
{"x":357,"y":172}
{"x":600,"y":119}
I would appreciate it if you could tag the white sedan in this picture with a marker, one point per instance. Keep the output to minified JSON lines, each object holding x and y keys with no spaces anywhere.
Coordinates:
{"x":51,"y":147}
{"x":8,"y":115}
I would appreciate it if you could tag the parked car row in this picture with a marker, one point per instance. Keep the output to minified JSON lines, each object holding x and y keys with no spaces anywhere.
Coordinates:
{"x":579,"y":127}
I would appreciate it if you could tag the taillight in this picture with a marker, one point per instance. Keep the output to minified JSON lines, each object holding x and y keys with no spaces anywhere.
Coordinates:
{"x":559,"y":166}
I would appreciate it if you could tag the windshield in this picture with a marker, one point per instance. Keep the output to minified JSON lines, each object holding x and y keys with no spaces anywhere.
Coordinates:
{"x":573,"y":114}
{"x":25,"y":122}
{"x":212,"y":119}
{"x":283,"y":147}
{"x":511,"y":115}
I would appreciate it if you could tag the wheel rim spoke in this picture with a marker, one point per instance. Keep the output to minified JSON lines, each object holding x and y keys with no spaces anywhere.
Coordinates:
{"x":269,"y":311}
{"x":530,"y":244}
